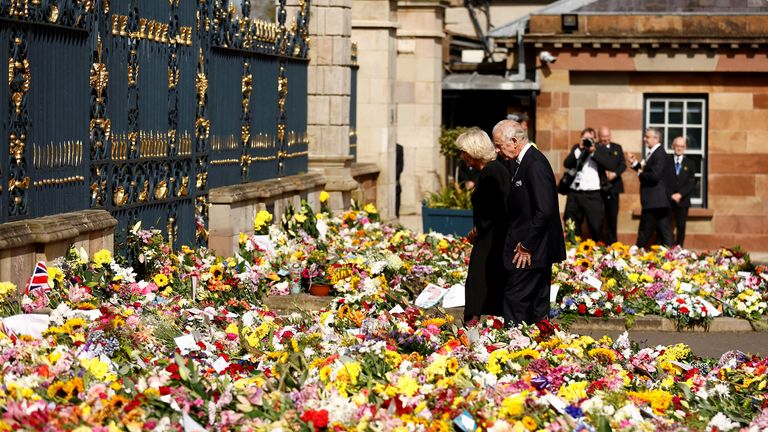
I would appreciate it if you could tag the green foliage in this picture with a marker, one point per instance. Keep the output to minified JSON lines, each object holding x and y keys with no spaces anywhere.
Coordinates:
{"x":448,"y":141}
{"x":452,"y":196}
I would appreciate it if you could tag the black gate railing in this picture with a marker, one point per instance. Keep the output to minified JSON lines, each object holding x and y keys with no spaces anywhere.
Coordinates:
{"x":140,"y":107}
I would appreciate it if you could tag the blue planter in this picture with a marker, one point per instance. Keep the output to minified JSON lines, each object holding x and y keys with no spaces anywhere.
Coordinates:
{"x":446,"y":221}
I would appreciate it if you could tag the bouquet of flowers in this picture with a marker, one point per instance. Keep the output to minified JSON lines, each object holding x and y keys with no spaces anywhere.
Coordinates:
{"x":686,"y":311}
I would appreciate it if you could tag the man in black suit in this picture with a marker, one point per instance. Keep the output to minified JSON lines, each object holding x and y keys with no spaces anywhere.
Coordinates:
{"x":652,"y":172}
{"x":681,"y":184}
{"x":535,"y":237}
{"x":611,"y":156}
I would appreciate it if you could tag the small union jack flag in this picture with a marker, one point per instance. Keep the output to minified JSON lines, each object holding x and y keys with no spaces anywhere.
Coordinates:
{"x":39,"y":278}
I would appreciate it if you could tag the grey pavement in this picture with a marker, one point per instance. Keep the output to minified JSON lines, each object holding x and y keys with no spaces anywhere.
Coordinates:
{"x":707,"y":345}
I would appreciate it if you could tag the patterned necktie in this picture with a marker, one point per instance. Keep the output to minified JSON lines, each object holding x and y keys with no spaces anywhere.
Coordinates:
{"x":677,"y":166}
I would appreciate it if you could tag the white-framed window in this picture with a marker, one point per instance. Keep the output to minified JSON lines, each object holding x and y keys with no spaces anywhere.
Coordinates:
{"x":682,"y":115}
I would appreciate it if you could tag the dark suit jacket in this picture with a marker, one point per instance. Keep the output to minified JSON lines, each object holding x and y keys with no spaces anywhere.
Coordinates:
{"x":653,"y":181}
{"x":612,"y":160}
{"x":683,"y":183}
{"x":534,"y":214}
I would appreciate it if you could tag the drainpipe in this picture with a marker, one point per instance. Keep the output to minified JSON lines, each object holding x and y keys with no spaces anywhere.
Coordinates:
{"x":520,"y":74}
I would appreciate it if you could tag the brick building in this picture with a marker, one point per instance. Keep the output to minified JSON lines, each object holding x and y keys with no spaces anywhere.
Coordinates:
{"x":694,"y":68}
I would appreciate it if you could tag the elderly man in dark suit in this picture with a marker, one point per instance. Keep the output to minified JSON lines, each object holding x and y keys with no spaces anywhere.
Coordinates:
{"x":535,"y":237}
{"x":681,"y":184}
{"x":611,"y":155}
{"x":652,"y":172}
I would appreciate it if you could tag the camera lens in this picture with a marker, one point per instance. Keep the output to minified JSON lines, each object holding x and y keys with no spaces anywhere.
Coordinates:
{"x":586,"y":142}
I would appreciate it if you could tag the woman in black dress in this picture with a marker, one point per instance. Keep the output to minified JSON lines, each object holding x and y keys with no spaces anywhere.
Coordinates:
{"x":486,"y":276}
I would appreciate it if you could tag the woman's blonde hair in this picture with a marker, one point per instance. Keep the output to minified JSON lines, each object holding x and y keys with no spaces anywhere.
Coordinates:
{"x":476,"y":143}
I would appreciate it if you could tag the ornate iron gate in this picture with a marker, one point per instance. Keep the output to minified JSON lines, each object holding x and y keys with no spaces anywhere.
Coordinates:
{"x":140,"y":107}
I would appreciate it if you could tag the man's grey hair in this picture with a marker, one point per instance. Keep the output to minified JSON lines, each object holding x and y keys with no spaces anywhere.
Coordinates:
{"x":654,"y":130}
{"x":476,"y":143}
{"x":684,"y":138}
{"x":508,"y":129}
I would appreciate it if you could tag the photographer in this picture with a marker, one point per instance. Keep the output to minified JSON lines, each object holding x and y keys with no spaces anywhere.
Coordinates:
{"x":584,"y":197}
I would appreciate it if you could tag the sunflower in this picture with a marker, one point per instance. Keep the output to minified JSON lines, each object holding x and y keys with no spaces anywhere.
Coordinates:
{"x":217,"y":271}
{"x":586,"y":247}
{"x":584,"y":263}
{"x":160,"y":280}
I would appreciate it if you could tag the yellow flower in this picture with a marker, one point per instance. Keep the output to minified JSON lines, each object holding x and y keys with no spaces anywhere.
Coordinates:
{"x":242,"y":238}
{"x":659,"y":399}
{"x":161,"y":280}
{"x":573,"y":391}
{"x":217,"y":271}
{"x":407,"y":385}
{"x":232,"y":329}
{"x":55,"y":274}
{"x":324,"y":197}
{"x":513,"y":406}
{"x":300,"y":217}
{"x":370,"y":208}
{"x":102,"y":257}
{"x":7,"y":290}
{"x":529,"y":423}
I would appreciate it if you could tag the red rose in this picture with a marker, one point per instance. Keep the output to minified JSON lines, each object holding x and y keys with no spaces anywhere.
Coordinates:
{"x":318,"y":418}
{"x":680,"y":301}
{"x":684,"y":310}
{"x":599,"y":312}
{"x":582,"y":309}
{"x":609,"y":296}
{"x":618,"y":309}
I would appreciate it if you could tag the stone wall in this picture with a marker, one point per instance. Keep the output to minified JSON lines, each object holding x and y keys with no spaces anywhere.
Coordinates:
{"x":374,"y":29}
{"x":418,"y":93}
{"x":23,"y":243}
{"x":592,"y":87}
{"x":233,"y":208}
{"x":329,"y":87}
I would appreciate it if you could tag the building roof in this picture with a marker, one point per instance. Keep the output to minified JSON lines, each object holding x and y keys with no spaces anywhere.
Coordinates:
{"x":741,"y":7}
{"x":476,"y":81}
{"x":636,"y":7}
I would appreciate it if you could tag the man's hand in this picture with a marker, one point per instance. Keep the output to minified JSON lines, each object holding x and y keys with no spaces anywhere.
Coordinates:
{"x":610,"y":175}
{"x":472,"y":235}
{"x":676,"y":197}
{"x":522,"y":258}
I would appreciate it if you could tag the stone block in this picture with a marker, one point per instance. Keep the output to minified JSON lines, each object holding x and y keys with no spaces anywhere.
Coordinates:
{"x":757,"y":142}
{"x":339,"y":110}
{"x":581,"y":99}
{"x":428,"y":92}
{"x":406,"y":46}
{"x":760,"y":100}
{"x":743,"y":205}
{"x":406,"y":68}
{"x":757,"y":224}
{"x":630,"y":101}
{"x":334,"y":22}
{"x":730,"y":101}
{"x":657,"y":62}
{"x":429,"y":69}
{"x":322,"y":51}
{"x":732,"y":185}
{"x":318,"y":109}
{"x":615,"y":118}
{"x":342,"y":51}
{"x":405,"y":92}
{"x":576,"y":118}
{"x":337,"y":80}
{"x":738,"y":163}
{"x":544,"y":100}
{"x":730,"y":141}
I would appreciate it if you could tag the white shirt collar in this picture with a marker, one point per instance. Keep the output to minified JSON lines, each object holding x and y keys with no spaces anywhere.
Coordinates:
{"x":522,"y":153}
{"x":653,"y":149}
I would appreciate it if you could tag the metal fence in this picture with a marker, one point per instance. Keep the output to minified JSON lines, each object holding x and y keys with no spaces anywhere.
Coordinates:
{"x":140,"y":107}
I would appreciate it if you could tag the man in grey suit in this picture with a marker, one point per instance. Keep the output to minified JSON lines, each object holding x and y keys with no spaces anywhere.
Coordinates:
{"x":653,"y":191}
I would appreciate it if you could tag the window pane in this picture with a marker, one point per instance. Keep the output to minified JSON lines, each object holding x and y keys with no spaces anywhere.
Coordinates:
{"x":694,"y":138}
{"x":676,"y":113}
{"x":672,"y":133}
{"x":656,"y":113}
{"x":698,"y":190}
{"x":694,"y":113}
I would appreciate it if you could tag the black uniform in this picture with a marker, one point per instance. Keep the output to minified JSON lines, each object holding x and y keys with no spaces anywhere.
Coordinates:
{"x":486,"y":276}
{"x":612,"y":159}
{"x":682,"y":180}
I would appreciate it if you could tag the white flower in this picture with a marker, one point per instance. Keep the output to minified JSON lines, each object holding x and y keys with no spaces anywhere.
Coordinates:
{"x":721,"y":423}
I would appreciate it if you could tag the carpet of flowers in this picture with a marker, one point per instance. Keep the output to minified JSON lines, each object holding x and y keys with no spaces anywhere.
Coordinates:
{"x":179,"y":340}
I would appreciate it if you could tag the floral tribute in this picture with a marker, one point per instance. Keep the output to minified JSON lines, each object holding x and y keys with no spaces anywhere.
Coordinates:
{"x":163,"y":340}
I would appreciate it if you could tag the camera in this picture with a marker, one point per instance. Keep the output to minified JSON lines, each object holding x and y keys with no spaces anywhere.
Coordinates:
{"x":587,"y":142}
{"x":547,"y":57}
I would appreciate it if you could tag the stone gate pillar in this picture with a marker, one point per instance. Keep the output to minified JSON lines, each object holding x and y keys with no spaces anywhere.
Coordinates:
{"x":329,"y":89}
{"x":374,"y":29}
{"x":418,"y":93}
